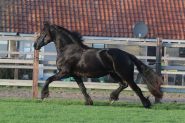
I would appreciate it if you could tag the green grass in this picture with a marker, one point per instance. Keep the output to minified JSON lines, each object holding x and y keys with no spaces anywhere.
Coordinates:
{"x":71,"y":111}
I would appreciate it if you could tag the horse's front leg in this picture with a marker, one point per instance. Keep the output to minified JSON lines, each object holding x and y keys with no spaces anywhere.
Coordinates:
{"x":45,"y":89}
{"x":88,"y":100}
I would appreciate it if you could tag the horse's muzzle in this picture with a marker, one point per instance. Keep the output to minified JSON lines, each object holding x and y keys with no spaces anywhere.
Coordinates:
{"x":36,"y":47}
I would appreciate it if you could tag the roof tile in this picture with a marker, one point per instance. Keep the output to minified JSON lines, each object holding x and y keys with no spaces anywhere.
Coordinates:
{"x":165,"y":18}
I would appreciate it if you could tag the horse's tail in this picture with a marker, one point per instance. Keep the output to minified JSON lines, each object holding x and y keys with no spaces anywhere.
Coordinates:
{"x":150,"y":77}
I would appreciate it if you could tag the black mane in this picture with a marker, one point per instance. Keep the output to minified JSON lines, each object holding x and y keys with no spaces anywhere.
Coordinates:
{"x":77,"y":37}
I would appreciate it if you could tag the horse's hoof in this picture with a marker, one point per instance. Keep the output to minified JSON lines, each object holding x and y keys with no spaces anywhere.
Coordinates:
{"x":113,"y":98}
{"x":89,"y":102}
{"x":147,"y":104}
{"x":44,"y":94}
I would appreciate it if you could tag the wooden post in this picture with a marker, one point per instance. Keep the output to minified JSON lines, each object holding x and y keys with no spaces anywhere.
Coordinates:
{"x":158,"y":60}
{"x":166,"y":64}
{"x":12,"y":48}
{"x":158,"y":56}
{"x":35,"y":74}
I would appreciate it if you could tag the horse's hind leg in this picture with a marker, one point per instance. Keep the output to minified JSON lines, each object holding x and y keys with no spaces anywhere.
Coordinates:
{"x":130,"y":80}
{"x":145,"y":101}
{"x":127,"y":73}
{"x":88,"y":100}
{"x":114,"y":96}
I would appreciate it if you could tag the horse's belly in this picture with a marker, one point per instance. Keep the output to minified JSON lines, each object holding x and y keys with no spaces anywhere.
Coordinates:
{"x":91,"y":71}
{"x":90,"y":74}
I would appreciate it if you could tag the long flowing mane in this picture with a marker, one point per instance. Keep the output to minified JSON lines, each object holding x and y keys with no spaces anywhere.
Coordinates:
{"x":73,"y":35}
{"x":78,"y":36}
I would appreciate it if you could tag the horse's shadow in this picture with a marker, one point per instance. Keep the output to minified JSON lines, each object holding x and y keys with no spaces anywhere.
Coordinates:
{"x":169,"y":106}
{"x":159,"y":106}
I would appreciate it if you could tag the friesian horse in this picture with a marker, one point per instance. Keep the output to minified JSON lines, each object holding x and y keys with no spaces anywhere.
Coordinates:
{"x":74,"y":59}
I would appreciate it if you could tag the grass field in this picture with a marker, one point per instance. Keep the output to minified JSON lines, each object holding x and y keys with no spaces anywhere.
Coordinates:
{"x":71,"y":111}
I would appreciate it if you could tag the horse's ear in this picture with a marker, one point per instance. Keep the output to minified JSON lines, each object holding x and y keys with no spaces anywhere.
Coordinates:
{"x":46,"y":24}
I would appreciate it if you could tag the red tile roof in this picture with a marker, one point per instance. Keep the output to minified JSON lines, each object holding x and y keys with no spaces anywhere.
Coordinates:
{"x":115,"y":18}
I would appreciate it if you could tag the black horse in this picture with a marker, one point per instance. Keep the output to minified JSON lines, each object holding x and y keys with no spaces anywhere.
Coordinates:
{"x":74,"y":59}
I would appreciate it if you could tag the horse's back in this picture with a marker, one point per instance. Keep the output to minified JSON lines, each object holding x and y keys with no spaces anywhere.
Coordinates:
{"x":105,"y":58}
{"x":119,"y":55}
{"x":93,"y":63}
{"x":92,"y":58}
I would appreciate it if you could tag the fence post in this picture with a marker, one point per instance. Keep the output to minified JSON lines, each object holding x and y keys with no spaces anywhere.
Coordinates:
{"x":35,"y":74}
{"x":158,"y":56}
{"x":158,"y":60}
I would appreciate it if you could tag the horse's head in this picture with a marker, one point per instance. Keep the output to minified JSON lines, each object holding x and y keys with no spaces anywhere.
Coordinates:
{"x":44,"y":38}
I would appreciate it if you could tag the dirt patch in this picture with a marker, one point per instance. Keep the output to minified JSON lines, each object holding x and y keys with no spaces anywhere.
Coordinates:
{"x":66,"y":93}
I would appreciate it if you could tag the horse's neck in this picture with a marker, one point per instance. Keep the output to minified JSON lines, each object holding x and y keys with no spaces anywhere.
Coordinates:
{"x":61,"y":44}
{"x":59,"y":47}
